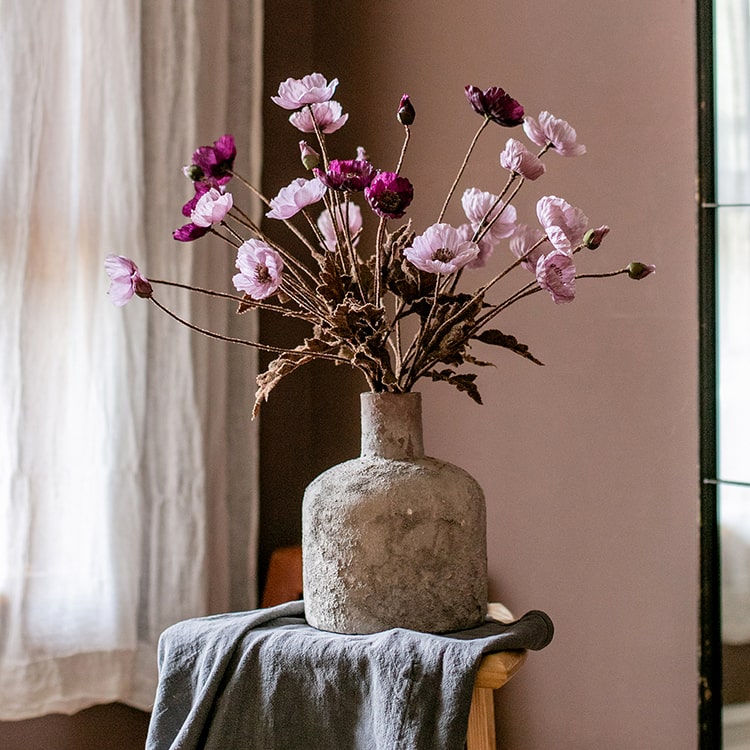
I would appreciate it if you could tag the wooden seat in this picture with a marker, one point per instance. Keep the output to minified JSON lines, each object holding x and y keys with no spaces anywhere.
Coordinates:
{"x":284,"y":583}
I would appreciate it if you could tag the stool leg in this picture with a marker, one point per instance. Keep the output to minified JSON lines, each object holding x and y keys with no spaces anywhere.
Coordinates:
{"x":481,"y":732}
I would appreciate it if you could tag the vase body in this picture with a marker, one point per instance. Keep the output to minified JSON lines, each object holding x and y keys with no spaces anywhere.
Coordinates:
{"x":394,"y":538}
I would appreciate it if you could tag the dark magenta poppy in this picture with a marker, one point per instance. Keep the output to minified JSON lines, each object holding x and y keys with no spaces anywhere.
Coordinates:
{"x":494,"y":104}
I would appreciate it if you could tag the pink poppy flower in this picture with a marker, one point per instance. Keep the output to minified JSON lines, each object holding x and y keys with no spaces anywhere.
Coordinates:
{"x":260,"y":269}
{"x":389,"y":195}
{"x":549,"y":129}
{"x":441,"y":249}
{"x":477,"y":205}
{"x":486,"y":246}
{"x":564,"y":224}
{"x":201,"y":188}
{"x":296,"y":196}
{"x":211,"y":208}
{"x":294,"y":93}
{"x":353,"y":214}
{"x":523,"y":239}
{"x":127,"y":280}
{"x":327,"y":115}
{"x":517,"y":158}
{"x":556,"y":274}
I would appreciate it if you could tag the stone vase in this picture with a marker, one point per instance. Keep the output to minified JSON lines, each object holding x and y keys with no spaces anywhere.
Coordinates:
{"x":394,"y":538}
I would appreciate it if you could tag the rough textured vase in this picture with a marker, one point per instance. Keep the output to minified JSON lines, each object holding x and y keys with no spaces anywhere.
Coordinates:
{"x":394,"y":538}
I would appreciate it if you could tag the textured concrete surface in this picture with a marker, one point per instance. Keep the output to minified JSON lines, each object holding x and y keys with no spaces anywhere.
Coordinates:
{"x":394,"y":542}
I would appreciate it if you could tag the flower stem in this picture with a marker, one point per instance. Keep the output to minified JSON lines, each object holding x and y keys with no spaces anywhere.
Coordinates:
{"x":244,"y":342}
{"x":462,"y":168}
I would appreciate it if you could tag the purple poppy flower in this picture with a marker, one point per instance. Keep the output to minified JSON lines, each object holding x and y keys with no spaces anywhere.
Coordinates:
{"x":294,"y":93}
{"x":347,"y":174}
{"x":556,"y":274}
{"x":211,"y":208}
{"x":353,"y":215}
{"x":214,"y":163}
{"x":517,"y":158}
{"x":389,"y":195}
{"x":564,"y":224}
{"x":549,"y":129}
{"x":260,"y":269}
{"x":190,"y":232}
{"x":296,"y":196}
{"x":127,"y":280}
{"x":494,"y":104}
{"x":441,"y":249}
{"x":328,"y":116}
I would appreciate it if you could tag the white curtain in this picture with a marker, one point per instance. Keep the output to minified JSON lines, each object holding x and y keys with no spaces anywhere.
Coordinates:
{"x":733,"y":273}
{"x":125,"y":440}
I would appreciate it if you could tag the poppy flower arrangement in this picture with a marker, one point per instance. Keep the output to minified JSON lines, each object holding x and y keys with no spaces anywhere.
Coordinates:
{"x":398,"y":313}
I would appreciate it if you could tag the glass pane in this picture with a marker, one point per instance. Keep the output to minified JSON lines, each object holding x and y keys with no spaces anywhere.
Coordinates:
{"x":732,"y":29}
{"x":733,"y":344}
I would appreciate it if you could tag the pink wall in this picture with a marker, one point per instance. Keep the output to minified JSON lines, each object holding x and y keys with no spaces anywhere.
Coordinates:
{"x":590,"y":463}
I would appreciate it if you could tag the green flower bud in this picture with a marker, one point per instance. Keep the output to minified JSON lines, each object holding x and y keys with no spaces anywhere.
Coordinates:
{"x":639,"y":271}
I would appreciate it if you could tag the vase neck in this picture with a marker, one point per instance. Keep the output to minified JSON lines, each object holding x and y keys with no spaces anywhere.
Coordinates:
{"x":392,"y":425}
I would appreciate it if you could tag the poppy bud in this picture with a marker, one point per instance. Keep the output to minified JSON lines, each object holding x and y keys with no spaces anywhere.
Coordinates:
{"x":406,"y":113}
{"x":310,"y":157}
{"x":593,"y":238}
{"x":639,"y":271}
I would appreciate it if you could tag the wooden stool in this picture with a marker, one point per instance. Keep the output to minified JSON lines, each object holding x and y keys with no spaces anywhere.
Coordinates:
{"x":284,"y":583}
{"x":494,"y":671}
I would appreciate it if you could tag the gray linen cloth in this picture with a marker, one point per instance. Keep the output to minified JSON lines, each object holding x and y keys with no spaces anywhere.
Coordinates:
{"x":266,"y":680}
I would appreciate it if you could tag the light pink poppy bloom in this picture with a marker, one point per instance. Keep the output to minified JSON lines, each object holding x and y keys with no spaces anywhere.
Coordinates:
{"x":564,"y":224}
{"x":523,"y":239}
{"x":260,"y":269}
{"x":477,"y":205}
{"x":517,"y":158}
{"x":294,"y":93}
{"x":353,"y":214}
{"x":127,"y":280}
{"x":295,"y":196}
{"x":441,"y":249}
{"x":556,"y":273}
{"x":486,"y":246}
{"x":328,"y":115}
{"x":211,"y":208}
{"x":549,"y":129}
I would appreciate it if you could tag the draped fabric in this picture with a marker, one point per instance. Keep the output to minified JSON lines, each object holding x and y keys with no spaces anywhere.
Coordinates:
{"x":125,"y":440}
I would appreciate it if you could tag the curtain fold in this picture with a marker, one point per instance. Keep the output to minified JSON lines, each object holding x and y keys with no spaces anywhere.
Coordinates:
{"x":125,"y":440}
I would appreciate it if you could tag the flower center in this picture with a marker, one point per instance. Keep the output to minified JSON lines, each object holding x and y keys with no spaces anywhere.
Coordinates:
{"x":443,"y":254}
{"x":389,"y":201}
{"x":262,"y":274}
